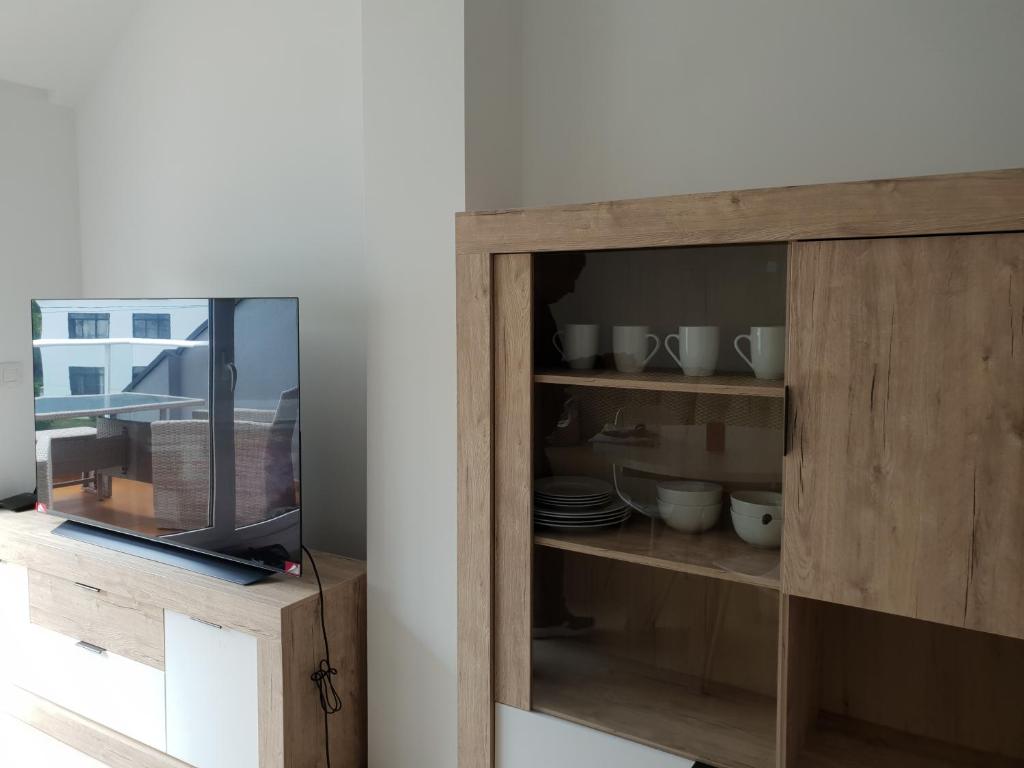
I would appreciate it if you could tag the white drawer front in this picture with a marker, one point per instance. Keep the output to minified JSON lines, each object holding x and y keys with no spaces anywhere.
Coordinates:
{"x":13,"y":617}
{"x":123,"y":695}
{"x":212,"y":697}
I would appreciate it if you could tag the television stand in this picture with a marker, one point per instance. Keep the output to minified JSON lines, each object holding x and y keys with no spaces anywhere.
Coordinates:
{"x":226,"y":570}
{"x":142,"y":664}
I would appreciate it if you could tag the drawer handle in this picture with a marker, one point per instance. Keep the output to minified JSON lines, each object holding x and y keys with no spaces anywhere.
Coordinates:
{"x":87,"y":587}
{"x":91,"y":648}
{"x":207,"y":623}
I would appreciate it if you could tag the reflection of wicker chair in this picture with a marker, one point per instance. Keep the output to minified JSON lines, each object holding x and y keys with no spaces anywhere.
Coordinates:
{"x":181,"y":473}
{"x":44,"y":467}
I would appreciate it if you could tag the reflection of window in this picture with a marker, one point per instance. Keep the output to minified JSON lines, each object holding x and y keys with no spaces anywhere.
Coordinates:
{"x":150,"y":326}
{"x":88,"y":325}
{"x":86,"y":380}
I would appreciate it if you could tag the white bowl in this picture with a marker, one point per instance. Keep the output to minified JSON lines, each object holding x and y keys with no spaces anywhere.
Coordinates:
{"x":691,"y":493}
{"x":757,"y":503}
{"x":689,"y":518}
{"x":764,"y":531}
{"x":757,"y":517}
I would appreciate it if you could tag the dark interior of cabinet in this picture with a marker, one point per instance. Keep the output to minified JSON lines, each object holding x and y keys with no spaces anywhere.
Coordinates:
{"x":874,"y":689}
{"x":734,"y":287}
{"x":683,"y":663}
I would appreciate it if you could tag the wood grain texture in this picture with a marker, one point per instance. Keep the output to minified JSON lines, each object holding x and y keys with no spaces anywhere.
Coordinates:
{"x":991,"y":201}
{"x":717,"y":554}
{"x":270,"y":689}
{"x":843,"y":743}
{"x":665,"y":381}
{"x":109,"y":747}
{"x":475,"y":521}
{"x":513,"y":476}
{"x":904,"y":485}
{"x":255,"y":609}
{"x":302,"y":648}
{"x":670,"y":623}
{"x":119,"y":624}
{"x":280,"y":612}
{"x":724,"y":726}
{"x":799,"y":676}
{"x":928,"y":680}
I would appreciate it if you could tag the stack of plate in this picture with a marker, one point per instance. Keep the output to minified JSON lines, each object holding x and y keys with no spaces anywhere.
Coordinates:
{"x":576,"y":503}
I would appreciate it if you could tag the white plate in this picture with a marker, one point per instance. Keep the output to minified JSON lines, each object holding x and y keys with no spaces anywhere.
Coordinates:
{"x":556,"y":497}
{"x":571,"y":487}
{"x":572,"y":507}
{"x":545,"y":502}
{"x":570,"y":527}
{"x":613,"y":505}
{"x":578,"y":518}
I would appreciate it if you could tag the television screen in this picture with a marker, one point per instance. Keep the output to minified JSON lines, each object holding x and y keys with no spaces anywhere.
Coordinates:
{"x":175,"y":420}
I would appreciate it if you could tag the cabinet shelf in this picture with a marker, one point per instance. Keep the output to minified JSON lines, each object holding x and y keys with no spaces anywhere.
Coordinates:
{"x":725,"y":726}
{"x":717,"y":554}
{"x":839,"y":742}
{"x":665,"y":381}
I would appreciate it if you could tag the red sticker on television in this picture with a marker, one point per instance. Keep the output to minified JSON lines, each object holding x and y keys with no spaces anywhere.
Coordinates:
{"x":293,"y":569}
{"x":40,"y":507}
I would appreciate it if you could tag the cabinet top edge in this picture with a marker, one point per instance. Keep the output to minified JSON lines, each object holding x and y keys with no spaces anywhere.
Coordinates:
{"x":983,"y":201}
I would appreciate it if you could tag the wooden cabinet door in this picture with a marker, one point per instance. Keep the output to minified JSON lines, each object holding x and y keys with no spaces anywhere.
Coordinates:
{"x":904,"y":480}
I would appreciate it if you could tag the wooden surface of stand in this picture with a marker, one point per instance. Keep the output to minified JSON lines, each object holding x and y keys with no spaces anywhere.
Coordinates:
{"x":281,"y":613}
{"x":100,"y":743}
{"x":127,"y":627}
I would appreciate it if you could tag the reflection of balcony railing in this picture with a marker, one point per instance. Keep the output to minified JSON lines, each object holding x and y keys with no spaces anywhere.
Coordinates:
{"x":168,"y":343}
{"x":108,"y":343}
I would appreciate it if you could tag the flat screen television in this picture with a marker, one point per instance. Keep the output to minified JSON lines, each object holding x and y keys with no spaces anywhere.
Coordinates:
{"x":174,"y":421}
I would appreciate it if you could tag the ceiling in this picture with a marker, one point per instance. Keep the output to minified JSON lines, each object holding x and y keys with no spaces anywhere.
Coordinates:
{"x":59,"y":45}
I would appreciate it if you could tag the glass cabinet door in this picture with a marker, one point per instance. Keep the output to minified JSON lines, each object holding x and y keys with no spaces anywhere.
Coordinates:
{"x":657,"y":442}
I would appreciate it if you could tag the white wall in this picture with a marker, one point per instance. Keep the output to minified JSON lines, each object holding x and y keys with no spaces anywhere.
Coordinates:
{"x":38,"y":251}
{"x":415,"y":165}
{"x":494,"y":104}
{"x":221,"y":155}
{"x":630,"y":100}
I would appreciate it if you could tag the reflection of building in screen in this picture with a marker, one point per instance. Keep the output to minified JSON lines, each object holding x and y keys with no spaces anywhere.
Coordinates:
{"x":86,"y":369}
{"x":123,"y":412}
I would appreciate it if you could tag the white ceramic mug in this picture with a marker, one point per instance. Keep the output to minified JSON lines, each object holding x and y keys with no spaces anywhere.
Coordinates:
{"x":629,"y":343}
{"x":767,"y":350}
{"x":577,"y":345}
{"x":698,"y":349}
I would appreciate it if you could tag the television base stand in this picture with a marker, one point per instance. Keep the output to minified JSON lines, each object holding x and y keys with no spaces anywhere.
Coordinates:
{"x":226,"y":570}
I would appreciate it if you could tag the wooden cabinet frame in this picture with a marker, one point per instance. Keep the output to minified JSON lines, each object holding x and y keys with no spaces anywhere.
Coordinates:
{"x":495,"y":253}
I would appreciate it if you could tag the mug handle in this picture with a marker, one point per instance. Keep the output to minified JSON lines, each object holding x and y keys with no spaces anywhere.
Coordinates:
{"x":668,"y":348}
{"x":657,"y":346}
{"x":736,"y":343}
{"x":558,"y":346}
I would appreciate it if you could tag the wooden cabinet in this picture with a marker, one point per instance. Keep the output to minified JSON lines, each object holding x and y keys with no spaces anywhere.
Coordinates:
{"x":896,"y":439}
{"x":905,"y":480}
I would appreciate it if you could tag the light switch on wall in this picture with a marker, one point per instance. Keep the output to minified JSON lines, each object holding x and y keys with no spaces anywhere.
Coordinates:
{"x":10,"y":374}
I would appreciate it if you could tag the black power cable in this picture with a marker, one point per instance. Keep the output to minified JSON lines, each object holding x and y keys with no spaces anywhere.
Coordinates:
{"x":323,"y":677}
